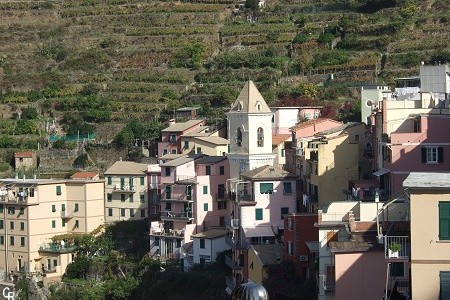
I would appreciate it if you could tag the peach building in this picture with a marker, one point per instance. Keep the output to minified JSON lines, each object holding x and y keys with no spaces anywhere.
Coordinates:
{"x":32,"y":211}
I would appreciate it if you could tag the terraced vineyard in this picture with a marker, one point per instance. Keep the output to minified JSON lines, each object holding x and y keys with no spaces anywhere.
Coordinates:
{"x":140,"y":57}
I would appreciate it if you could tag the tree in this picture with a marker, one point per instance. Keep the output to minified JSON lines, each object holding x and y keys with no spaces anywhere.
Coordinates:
{"x":29,"y":113}
{"x":252,"y":4}
{"x":82,"y":161}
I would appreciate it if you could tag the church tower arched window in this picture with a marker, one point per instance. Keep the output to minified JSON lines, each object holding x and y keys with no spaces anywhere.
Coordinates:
{"x":239,"y":136}
{"x":260,"y":137}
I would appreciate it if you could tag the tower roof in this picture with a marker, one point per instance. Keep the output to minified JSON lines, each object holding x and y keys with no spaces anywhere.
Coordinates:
{"x":250,"y":100}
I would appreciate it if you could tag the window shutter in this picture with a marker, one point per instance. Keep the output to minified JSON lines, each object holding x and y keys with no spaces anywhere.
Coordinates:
{"x":440,"y":154}
{"x":424,"y":155}
{"x":444,"y":220}
{"x":445,"y":285}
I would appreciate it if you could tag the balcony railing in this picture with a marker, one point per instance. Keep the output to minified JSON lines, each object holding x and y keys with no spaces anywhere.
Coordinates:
{"x":232,"y":223}
{"x":176,"y":215}
{"x":13,"y":199}
{"x":229,"y":261}
{"x":55,"y":248}
{"x":397,"y":247}
{"x":184,"y":179}
{"x":329,"y":284}
{"x":124,"y":189}
{"x":335,"y":217}
{"x":66,"y":214}
{"x":176,"y":197}
{"x":169,"y":232}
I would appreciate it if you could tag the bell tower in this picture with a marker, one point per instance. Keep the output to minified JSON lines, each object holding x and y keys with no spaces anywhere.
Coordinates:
{"x":249,"y":131}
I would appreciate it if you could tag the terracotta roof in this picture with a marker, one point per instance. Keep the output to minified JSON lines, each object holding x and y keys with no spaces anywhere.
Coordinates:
{"x":248,"y":100}
{"x":84,"y":175}
{"x":24,"y":154}
{"x":268,"y":172}
{"x":126,"y":168}
{"x":311,"y":123}
{"x":280,"y":138}
{"x":211,"y":234}
{"x":179,"y":127}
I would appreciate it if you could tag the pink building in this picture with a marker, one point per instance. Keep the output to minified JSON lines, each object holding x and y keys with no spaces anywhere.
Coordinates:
{"x":153,"y":182}
{"x":284,"y":117}
{"x":171,"y":136}
{"x":420,"y":144}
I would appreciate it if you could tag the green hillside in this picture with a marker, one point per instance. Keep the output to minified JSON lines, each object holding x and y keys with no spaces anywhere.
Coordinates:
{"x":100,"y":63}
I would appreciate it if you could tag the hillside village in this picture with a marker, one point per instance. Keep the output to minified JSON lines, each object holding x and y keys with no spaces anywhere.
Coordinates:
{"x":339,"y":200}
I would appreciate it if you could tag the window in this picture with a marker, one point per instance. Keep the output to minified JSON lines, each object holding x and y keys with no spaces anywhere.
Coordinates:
{"x":22,"y":241}
{"x":164,"y":151}
{"x":22,"y":226}
{"x":284,"y":211}
{"x":397,"y":269}
{"x":444,"y":220}
{"x":258,"y":214}
{"x":444,"y":285}
{"x":222,"y":205}
{"x":417,"y":125}
{"x":141,"y":180}
{"x":142,"y":213}
{"x":174,"y":151}
{"x":11,"y":210}
{"x":122,"y":212}
{"x":168,"y":206}
{"x":131,"y":198}
{"x":199,"y":150}
{"x":1,"y":208}
{"x":173,"y":138}
{"x":63,"y":223}
{"x":53,"y":208}
{"x":142,"y":198}
{"x":239,"y":137}
{"x":63,"y":207}
{"x":432,"y":155}
{"x":202,"y":243}
{"x":356,"y":137}
{"x":188,"y":192}
{"x":55,"y":262}
{"x":178,"y":243}
{"x":11,"y":225}
{"x":290,"y":248}
{"x":77,"y":224}
{"x":109,"y":179}
{"x":266,"y":188}
{"x":168,"y":192}
{"x":132,"y":212}
{"x":186,"y":144}
{"x":122,"y":182}
{"x":11,"y":241}
{"x":167,"y":171}
{"x":205,"y":206}
{"x":260,"y":137}
{"x":1,"y":224}
{"x":122,"y":197}
{"x":283,"y":153}
{"x":76,"y":207}
{"x":208,"y":170}
{"x":58,"y":190}
{"x":21,"y":211}
{"x":110,"y":212}
{"x":205,"y":190}
{"x":156,"y":241}
{"x":222,"y":170}
{"x":2,"y":240}
{"x":131,"y":182}
{"x":287,"y":188}
{"x":308,"y":116}
{"x":53,"y":224}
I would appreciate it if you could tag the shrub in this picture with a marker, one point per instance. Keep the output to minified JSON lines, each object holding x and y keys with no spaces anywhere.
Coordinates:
{"x":29,"y":113}
{"x":330,"y":58}
{"x":82,"y":161}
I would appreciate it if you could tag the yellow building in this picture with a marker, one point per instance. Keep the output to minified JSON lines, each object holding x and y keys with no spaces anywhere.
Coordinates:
{"x":126,"y":192}
{"x":328,"y":161}
{"x":32,"y":211}
{"x":430,"y":234}
{"x":260,"y":257}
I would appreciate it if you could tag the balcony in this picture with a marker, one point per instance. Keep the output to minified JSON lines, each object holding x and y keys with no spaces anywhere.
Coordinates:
{"x":168,"y":215}
{"x":184,"y":179}
{"x":329,"y":284}
{"x":300,"y":152}
{"x":397,"y":247}
{"x":55,"y":248}
{"x":167,"y":233}
{"x":124,"y":189}
{"x":232,"y":223}
{"x":12,"y":198}
{"x":229,"y":261}
{"x":236,"y":243}
{"x":176,"y":198}
{"x":66,"y":214}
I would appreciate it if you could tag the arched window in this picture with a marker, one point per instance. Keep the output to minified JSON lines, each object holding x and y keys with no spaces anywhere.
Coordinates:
{"x":260,"y":137}
{"x":239,"y":136}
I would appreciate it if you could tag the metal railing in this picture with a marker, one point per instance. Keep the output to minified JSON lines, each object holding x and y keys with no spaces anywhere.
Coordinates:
{"x":124,"y":188}
{"x":397,"y":247}
{"x":181,"y":197}
{"x":55,"y":248}
{"x":169,"y":232}
{"x":329,"y":284}
{"x":232,"y":223}
{"x":176,"y":215}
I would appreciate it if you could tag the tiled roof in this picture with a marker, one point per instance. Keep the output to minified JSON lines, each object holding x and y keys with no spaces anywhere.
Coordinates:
{"x":248,"y":99}
{"x":211,"y":234}
{"x":199,"y":131}
{"x":268,"y":172}
{"x":427,"y":180}
{"x":217,"y":140}
{"x":280,"y":138}
{"x":269,"y":254}
{"x":181,"y":160}
{"x":83,"y":175}
{"x":179,"y":127}
{"x":339,"y":128}
{"x":23,"y":154}
{"x":126,"y":168}
{"x":311,"y":123}
{"x":211,"y":160}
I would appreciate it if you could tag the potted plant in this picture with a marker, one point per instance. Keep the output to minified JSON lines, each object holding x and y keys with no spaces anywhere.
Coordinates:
{"x":394,"y":249}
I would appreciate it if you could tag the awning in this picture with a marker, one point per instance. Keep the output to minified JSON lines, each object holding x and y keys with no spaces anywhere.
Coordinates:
{"x":381,"y":171}
{"x":258,"y":231}
{"x":313,"y":246}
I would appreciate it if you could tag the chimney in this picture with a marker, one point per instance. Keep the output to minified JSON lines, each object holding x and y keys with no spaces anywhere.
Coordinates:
{"x":172,"y":122}
{"x":24,"y":177}
{"x":351,"y":221}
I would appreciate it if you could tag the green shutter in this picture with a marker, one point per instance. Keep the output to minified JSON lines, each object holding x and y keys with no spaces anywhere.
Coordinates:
{"x":444,"y":285}
{"x":205,"y":206}
{"x":76,"y":207}
{"x":266,"y":188}
{"x":58,"y":190}
{"x":53,"y":224}
{"x":444,"y":220}
{"x":168,"y":192}
{"x":109,"y":180}
{"x":287,"y":186}
{"x":205,"y":190}
{"x":258,"y":214}
{"x":141,"y":180}
{"x":53,"y":208}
